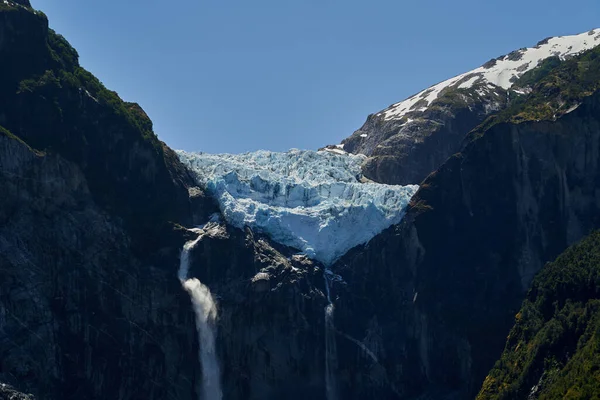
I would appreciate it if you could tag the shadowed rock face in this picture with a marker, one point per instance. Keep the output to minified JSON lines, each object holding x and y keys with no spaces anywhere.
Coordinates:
{"x":269,"y":333}
{"x":445,"y":284}
{"x":77,"y":307}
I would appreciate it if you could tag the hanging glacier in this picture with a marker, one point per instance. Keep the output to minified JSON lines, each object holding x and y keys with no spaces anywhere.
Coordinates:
{"x":310,"y":200}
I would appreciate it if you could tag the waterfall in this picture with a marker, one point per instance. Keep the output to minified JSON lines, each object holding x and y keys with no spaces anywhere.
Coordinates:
{"x":330,"y":345}
{"x":206,"y":314}
{"x":361,"y":345}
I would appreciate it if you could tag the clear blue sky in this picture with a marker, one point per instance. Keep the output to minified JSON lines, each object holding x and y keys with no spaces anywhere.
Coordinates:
{"x":240,"y":75}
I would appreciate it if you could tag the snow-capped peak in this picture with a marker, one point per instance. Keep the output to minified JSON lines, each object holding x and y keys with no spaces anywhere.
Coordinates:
{"x":501,"y":72}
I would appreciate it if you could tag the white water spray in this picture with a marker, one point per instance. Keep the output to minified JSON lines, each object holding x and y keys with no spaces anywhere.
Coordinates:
{"x":330,"y":345}
{"x":206,"y":314}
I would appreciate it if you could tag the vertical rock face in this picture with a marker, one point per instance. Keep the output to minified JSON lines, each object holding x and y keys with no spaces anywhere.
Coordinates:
{"x":445,"y":285}
{"x":270,"y":302}
{"x":271,"y":329}
{"x":78,"y":307}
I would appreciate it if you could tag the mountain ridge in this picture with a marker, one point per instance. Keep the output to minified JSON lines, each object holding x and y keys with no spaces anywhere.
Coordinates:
{"x":502,"y":71}
{"x":412,"y":138}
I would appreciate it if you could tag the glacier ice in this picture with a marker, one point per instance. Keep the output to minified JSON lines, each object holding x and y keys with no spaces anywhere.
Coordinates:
{"x":310,"y":200}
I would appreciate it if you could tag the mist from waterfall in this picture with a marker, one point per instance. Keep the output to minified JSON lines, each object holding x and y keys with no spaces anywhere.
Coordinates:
{"x":330,"y":345}
{"x":205,"y":310}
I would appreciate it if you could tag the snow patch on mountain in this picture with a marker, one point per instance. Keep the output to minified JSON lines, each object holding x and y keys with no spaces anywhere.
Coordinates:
{"x":312,"y":201}
{"x":501,"y":72}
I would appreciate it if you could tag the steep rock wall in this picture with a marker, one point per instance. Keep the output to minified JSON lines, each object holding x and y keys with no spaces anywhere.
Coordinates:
{"x":449,"y":279}
{"x":82,"y":316}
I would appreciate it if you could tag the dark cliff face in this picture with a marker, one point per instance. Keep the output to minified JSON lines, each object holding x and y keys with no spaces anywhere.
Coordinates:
{"x":77,"y":307}
{"x":83,"y":316}
{"x":450,"y":278}
{"x":271,"y":302}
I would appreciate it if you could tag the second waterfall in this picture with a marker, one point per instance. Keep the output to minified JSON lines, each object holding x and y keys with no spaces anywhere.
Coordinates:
{"x":330,"y":345}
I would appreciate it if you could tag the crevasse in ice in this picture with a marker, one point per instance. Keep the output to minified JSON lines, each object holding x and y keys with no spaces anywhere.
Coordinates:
{"x":309,"y":200}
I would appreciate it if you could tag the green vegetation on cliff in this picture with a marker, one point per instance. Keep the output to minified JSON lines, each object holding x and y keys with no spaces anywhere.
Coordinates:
{"x":535,"y":75}
{"x":65,"y":73}
{"x":556,"y":88}
{"x":553,"y":350}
